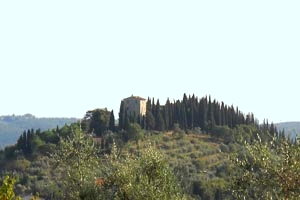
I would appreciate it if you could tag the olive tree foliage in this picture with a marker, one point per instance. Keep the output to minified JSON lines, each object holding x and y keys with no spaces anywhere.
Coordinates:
{"x":135,"y":132}
{"x":143,"y":176}
{"x":76,"y":160}
{"x":85,"y":173}
{"x":7,"y":189}
{"x":267,"y":170}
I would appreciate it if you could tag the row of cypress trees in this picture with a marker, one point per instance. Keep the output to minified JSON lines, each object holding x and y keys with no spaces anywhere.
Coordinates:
{"x":188,"y":113}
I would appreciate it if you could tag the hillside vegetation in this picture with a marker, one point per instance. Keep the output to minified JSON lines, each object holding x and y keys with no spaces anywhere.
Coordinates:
{"x":189,"y":149}
{"x":12,"y":126}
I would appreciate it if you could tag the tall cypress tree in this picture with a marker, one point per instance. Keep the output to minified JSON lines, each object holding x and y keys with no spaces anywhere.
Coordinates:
{"x":203,"y":109}
{"x":112,"y":121}
{"x":149,"y":118}
{"x":183,"y":119}
{"x":211,"y":119}
{"x":121,"y":116}
{"x":160,"y":124}
{"x":150,"y":121}
{"x":223,"y":120}
{"x":157,"y":109}
{"x":166,"y":115}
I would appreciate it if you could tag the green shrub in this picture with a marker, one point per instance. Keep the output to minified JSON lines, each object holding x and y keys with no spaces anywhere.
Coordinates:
{"x":7,"y":189}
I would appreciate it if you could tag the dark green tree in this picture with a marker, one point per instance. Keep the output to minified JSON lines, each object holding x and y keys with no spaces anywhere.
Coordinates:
{"x":112,"y":121}
{"x":135,"y":132}
{"x":159,"y":120}
{"x":99,"y":121}
{"x":150,"y":121}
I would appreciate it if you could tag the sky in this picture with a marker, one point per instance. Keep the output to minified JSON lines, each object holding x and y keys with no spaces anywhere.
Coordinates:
{"x":63,"y":58}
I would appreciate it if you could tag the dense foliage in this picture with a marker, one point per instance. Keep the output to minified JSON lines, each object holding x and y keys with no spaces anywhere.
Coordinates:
{"x":124,"y":177}
{"x":190,"y":112}
{"x":75,"y":161}
{"x":7,"y":189}
{"x":145,"y":175}
{"x":268,"y":170}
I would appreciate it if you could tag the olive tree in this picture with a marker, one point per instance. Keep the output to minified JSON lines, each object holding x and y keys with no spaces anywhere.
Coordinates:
{"x":84,"y":173}
{"x":267,"y":170}
{"x":143,"y":176}
{"x":76,"y":161}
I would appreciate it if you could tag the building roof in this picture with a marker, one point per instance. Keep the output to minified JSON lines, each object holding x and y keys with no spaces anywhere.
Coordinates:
{"x":135,"y":97}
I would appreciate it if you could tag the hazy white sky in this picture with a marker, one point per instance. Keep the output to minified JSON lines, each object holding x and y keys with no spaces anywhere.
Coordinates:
{"x":61,"y":58}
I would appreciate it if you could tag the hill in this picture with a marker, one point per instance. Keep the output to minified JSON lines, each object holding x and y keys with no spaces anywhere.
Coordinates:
{"x":199,"y":160}
{"x":12,"y":126}
{"x":198,"y":136}
{"x":291,"y":129}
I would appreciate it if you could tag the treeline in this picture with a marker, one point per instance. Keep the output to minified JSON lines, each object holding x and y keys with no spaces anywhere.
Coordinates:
{"x":32,"y":143}
{"x":189,"y":113}
{"x":12,"y":126}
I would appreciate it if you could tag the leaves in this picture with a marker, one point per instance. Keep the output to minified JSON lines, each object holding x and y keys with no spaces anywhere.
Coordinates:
{"x":77,"y":159}
{"x":267,"y":170}
{"x":7,"y":189}
{"x":129,"y":175}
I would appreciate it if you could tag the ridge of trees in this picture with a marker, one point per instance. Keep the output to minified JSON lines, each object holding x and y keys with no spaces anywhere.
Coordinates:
{"x":192,"y":113}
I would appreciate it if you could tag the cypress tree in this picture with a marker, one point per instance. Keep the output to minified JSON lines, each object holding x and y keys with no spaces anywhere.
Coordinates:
{"x":112,"y":121}
{"x":171,"y":114}
{"x":272,"y":129}
{"x":126,"y":120}
{"x":29,"y":139}
{"x":153,"y":107}
{"x":166,"y":115}
{"x":143,"y":122}
{"x":217,"y":112}
{"x":149,"y":118}
{"x":223,"y":120}
{"x":183,"y":120}
{"x":157,"y":109}
{"x":121,"y":116}
{"x":150,"y":121}
{"x":195,"y":109}
{"x":203,"y":109}
{"x":211,"y":119}
{"x":160,"y":124}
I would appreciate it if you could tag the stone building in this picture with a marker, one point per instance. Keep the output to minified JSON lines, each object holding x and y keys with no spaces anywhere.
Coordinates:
{"x":135,"y":105}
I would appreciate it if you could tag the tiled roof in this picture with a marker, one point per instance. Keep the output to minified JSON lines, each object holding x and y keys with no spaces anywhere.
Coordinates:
{"x":135,"y":97}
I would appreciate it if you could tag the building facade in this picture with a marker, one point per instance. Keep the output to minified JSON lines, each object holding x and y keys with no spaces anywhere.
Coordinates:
{"x":135,"y":105}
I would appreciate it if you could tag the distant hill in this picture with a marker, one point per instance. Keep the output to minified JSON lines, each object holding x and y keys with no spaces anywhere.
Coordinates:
{"x":12,"y":126}
{"x":291,"y":129}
